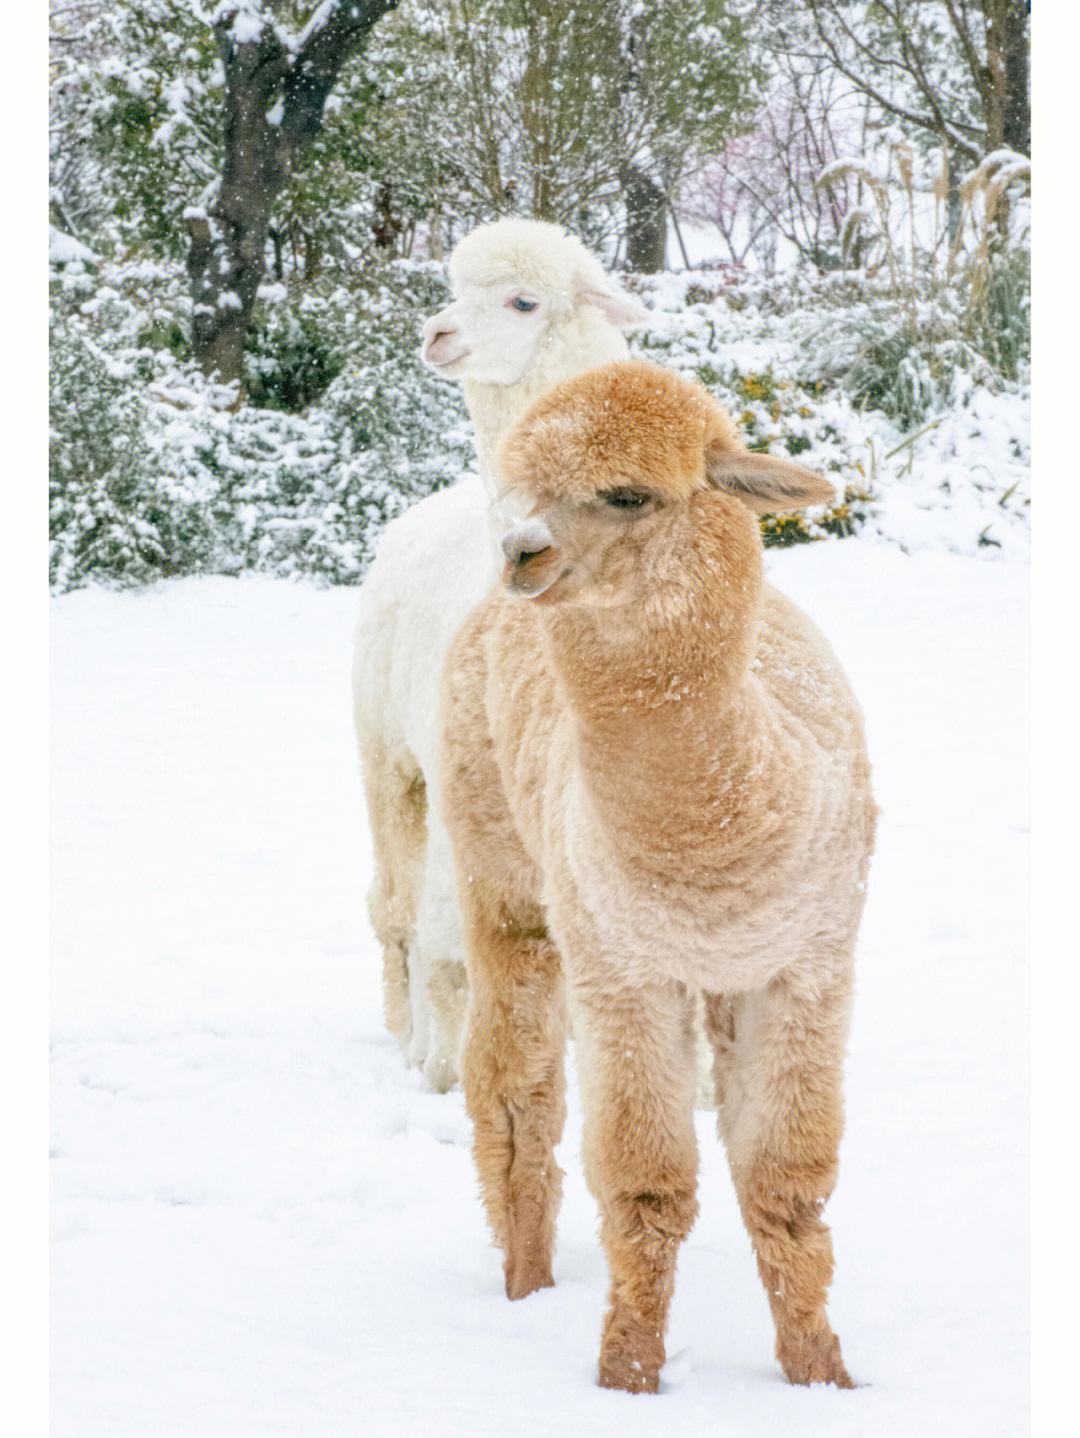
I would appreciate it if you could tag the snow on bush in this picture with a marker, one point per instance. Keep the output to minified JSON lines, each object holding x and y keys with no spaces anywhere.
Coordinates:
{"x":156,"y":471}
{"x":958,"y":480}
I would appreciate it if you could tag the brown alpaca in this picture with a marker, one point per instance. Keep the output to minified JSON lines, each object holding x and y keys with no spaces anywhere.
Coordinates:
{"x":657,"y":786}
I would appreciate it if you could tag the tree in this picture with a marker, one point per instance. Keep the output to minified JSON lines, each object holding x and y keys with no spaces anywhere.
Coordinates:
{"x":585,"y":112}
{"x":138,"y":93}
{"x":276,"y":87}
{"x":957,"y":71}
{"x":687,"y":72}
{"x":505,"y":106}
{"x":763,"y":184}
{"x":78,"y":49}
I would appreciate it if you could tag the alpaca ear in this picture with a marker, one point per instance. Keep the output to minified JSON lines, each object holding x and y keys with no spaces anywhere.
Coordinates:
{"x":615,"y":306}
{"x":765,"y":482}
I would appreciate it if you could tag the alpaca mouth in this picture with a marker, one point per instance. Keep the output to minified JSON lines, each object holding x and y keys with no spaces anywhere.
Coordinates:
{"x":445,"y":364}
{"x":530,"y":586}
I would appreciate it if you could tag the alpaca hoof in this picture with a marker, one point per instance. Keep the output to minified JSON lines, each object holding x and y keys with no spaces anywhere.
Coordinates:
{"x":631,"y":1354}
{"x":439,"y":1075}
{"x":630,"y":1375}
{"x":525,"y":1278}
{"x":815,"y":1358}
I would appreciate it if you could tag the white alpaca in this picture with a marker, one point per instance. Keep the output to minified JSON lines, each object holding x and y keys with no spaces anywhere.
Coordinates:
{"x":531,"y":307}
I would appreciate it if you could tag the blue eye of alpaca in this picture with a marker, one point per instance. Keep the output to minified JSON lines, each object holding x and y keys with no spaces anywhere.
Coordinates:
{"x":524,"y":306}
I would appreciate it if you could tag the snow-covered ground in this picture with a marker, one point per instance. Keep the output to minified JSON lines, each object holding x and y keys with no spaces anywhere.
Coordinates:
{"x":264,"y":1227}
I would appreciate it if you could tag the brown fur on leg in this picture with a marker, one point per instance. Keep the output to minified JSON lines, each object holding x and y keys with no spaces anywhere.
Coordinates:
{"x":637,"y":1055}
{"x":642,"y":1237}
{"x":782,"y":1120}
{"x":515,"y":1090}
{"x":794,"y":1254}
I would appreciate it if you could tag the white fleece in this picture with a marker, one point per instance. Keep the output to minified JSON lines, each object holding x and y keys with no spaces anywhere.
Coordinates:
{"x":436,"y":562}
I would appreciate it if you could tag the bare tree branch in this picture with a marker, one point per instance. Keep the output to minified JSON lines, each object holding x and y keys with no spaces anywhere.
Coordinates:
{"x":968,"y":139}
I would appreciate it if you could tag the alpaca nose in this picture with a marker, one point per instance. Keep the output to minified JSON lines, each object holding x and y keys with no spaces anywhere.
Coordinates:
{"x":438,"y":341}
{"x":527,"y":540}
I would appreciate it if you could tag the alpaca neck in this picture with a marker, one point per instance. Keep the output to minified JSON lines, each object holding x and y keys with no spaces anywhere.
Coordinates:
{"x":578,"y":342}
{"x":671,"y":725}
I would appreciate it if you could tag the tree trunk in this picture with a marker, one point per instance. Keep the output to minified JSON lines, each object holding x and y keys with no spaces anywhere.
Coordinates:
{"x":1008,"y":118}
{"x":435,"y":236}
{"x":279,"y":260}
{"x":1005,"y":82}
{"x":1016,"y":119}
{"x":646,"y":221}
{"x":274,"y":100}
{"x":387,"y":226}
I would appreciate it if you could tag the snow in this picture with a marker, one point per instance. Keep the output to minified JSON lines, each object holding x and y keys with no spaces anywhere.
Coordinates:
{"x":247,"y":20}
{"x":64,"y":249}
{"x":264,"y":1226}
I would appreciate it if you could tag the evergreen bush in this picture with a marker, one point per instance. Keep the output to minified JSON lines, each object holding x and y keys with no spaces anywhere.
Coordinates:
{"x":156,"y":471}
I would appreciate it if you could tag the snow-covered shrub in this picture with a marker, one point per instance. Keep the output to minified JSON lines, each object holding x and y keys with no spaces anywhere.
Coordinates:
{"x":892,"y":358}
{"x":311,"y":493}
{"x":910,"y":358}
{"x":156,"y":471}
{"x":959,"y":481}
{"x":384,"y":398}
{"x":398,"y":433}
{"x":290,"y":357}
{"x":115,"y":513}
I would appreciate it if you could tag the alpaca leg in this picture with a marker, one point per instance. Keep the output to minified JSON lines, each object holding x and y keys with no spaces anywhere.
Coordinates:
{"x":782,"y":1119}
{"x":397,"y":807}
{"x":515,"y":1087}
{"x":448,"y":994}
{"x":440,"y":950}
{"x":637,"y":1056}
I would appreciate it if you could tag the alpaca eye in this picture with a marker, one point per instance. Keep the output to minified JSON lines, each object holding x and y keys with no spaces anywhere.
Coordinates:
{"x":624,"y":498}
{"x":524,"y":306}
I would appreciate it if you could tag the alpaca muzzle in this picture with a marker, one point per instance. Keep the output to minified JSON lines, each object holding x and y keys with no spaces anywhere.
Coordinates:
{"x":533,"y":562}
{"x":526,"y":540}
{"x":443,"y":342}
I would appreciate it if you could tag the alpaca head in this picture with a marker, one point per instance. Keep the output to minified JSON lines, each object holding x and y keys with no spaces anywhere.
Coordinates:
{"x":513,"y":280}
{"x":612,"y":478}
